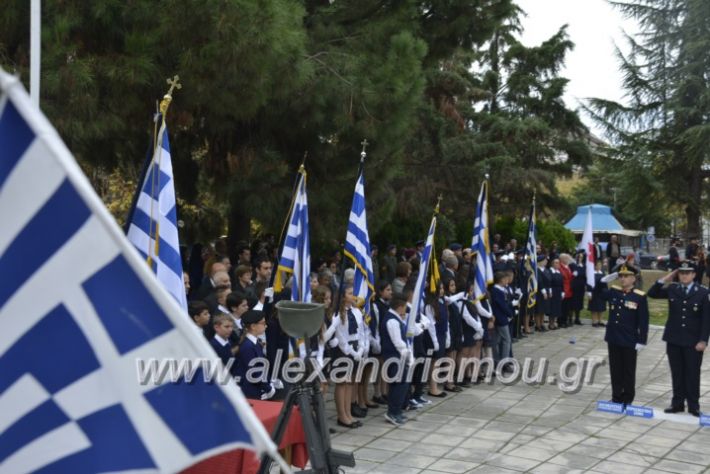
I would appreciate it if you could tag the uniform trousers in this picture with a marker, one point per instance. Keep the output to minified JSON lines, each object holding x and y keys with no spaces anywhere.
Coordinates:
{"x":685,"y":365}
{"x":622,"y":366}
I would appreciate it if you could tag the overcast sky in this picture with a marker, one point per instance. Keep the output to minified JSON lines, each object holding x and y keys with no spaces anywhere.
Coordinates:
{"x":594,"y":27}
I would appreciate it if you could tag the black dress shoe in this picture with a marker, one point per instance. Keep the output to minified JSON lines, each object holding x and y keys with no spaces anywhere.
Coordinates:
{"x":438,"y":395}
{"x":674,"y":410}
{"x":381,"y":400}
{"x":357,"y":412}
{"x":695,"y":413}
{"x":345,"y":425}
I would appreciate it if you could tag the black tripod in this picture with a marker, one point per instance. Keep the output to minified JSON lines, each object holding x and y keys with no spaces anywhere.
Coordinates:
{"x":309,"y":399}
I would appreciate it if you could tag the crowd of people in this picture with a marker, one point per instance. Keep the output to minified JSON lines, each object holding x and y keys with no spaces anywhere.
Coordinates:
{"x":234,"y":307}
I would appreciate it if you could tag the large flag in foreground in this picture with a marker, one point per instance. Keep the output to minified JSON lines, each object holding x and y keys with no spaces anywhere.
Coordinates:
{"x":78,"y":308}
{"x":152,"y":225}
{"x":357,"y":246}
{"x":296,"y":254}
{"x":587,"y":244}
{"x":420,"y":286}
{"x":480,"y":245}
{"x":530,"y":261}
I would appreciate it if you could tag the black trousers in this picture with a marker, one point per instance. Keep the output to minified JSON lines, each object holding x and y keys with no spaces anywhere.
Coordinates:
{"x":685,"y":365}
{"x":622,"y":366}
{"x":566,"y":317}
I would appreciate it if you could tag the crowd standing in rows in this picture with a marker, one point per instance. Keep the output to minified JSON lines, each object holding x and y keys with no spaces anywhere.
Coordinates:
{"x":234,"y":307}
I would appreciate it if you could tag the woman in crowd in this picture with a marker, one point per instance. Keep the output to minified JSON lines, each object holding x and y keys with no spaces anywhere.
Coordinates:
{"x":565,"y":261}
{"x":472,"y":332}
{"x":597,"y":297}
{"x":380,"y":307}
{"x":542,"y":301}
{"x":326,"y":339}
{"x":557,"y":291}
{"x":579,"y":286}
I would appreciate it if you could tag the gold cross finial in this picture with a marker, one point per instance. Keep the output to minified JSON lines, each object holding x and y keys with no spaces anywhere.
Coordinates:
{"x":174,"y":83}
{"x":438,"y":203}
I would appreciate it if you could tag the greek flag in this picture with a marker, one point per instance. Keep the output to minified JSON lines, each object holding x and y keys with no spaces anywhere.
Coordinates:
{"x":357,"y":246}
{"x":78,"y":309}
{"x":530,"y":261}
{"x":479,"y":245}
{"x":296,"y":254}
{"x":152,"y":225}
{"x":420,"y":286}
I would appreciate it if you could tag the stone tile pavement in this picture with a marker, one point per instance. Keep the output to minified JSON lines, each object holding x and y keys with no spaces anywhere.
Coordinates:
{"x":539,"y":428}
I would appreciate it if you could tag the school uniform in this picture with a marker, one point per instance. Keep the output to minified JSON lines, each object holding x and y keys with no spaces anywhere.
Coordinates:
{"x":249,"y":350}
{"x":504,"y":313}
{"x":395,"y":347}
{"x":555,"y":301}
{"x":224,"y":351}
{"x":350,"y":335}
{"x":597,"y":303}
{"x":542,"y":299}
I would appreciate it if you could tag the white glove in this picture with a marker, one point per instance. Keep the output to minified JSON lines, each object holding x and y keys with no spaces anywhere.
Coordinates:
{"x":375,"y":346}
{"x":518,"y":292}
{"x":574,"y":273}
{"x":277,"y":384}
{"x":589,"y":294}
{"x":478,"y":335}
{"x":410,"y":359}
{"x":333,"y":343}
{"x":269,"y":292}
{"x":610,"y":277}
{"x":516,"y":303}
{"x":358,"y":355}
{"x":269,"y":394}
{"x":448,"y":340}
{"x":436,"y":345}
{"x":425,"y":322}
{"x":639,"y":347}
{"x":405,"y":354}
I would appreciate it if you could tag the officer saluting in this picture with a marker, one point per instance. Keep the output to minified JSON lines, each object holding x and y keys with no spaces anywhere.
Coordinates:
{"x":626,"y":332}
{"x":686,"y":334}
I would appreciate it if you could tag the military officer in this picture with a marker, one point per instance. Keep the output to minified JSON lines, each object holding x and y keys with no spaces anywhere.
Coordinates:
{"x":626,"y":333}
{"x":686,"y":333}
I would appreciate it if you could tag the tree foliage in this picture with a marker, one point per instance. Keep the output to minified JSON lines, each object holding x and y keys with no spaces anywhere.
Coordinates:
{"x":662,"y":130}
{"x":444,"y":92}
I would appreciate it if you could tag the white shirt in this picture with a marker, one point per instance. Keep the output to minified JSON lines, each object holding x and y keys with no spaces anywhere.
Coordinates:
{"x":224,"y":342}
{"x":394,"y":330}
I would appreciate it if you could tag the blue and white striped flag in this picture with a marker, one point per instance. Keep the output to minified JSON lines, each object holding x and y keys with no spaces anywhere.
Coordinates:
{"x":480,"y":245}
{"x":152,"y":225}
{"x":420,"y":286}
{"x":296,"y":254}
{"x":530,"y":260}
{"x":78,"y":310}
{"x":357,"y":246}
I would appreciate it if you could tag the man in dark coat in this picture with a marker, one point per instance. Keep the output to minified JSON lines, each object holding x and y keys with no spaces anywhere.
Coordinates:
{"x":686,"y":333}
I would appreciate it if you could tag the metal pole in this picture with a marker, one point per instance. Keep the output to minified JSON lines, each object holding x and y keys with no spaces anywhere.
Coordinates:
{"x":35,"y":49}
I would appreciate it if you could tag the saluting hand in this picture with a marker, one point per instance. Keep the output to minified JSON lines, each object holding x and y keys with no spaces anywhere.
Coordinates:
{"x":701,"y":346}
{"x":671,"y":275}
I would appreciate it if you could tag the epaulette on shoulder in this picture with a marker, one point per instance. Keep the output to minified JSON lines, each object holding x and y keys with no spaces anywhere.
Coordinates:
{"x":639,"y":292}
{"x":616,"y":287}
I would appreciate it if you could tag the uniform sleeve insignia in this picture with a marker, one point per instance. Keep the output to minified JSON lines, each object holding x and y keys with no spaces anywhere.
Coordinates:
{"x":639,"y":292}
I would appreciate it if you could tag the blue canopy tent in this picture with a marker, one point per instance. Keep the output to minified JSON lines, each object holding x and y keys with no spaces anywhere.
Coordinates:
{"x":603,"y":221}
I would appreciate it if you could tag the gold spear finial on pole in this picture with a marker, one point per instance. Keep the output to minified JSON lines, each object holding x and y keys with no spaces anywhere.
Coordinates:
{"x":174,"y":83}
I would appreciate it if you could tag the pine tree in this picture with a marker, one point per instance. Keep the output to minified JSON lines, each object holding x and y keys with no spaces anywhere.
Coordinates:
{"x":665,"y":125}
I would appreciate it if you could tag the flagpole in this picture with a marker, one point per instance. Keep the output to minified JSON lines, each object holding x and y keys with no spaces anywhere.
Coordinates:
{"x":363,"y":155}
{"x":35,"y":49}
{"x":282,"y":240}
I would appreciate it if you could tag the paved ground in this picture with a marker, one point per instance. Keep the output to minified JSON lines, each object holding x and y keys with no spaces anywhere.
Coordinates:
{"x":521,"y":428}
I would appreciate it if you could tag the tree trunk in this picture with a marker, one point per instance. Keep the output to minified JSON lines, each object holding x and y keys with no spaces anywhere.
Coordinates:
{"x":692,"y":209}
{"x":238,"y":228}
